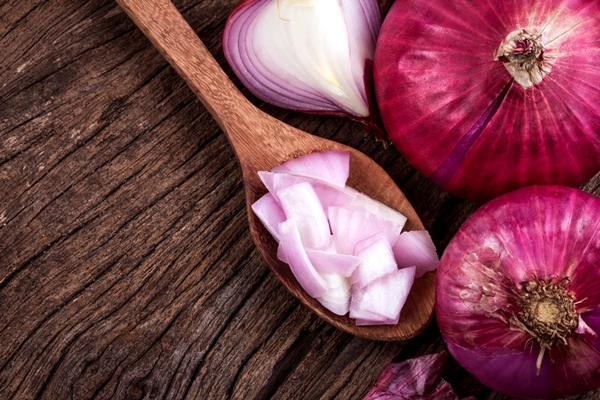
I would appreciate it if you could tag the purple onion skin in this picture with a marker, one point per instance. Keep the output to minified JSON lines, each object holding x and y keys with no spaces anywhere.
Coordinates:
{"x":508,"y":367}
{"x":537,"y":232}
{"x":458,"y":116}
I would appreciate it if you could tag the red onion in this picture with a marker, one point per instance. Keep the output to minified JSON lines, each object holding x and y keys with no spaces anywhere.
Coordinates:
{"x":311,"y":56}
{"x":486,"y":97}
{"x":518,"y":293}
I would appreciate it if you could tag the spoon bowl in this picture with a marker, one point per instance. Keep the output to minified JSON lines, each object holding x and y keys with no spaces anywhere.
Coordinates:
{"x":262,"y":142}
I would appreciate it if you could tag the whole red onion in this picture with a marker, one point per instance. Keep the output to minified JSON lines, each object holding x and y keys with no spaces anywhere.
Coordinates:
{"x":484,"y":97}
{"x":518,"y":293}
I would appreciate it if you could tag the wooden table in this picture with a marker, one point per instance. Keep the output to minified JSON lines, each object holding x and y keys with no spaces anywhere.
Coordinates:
{"x":126,"y":267}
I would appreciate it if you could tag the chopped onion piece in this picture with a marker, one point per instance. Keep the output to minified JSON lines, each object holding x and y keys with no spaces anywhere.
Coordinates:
{"x":328,"y":194}
{"x":360,"y":314}
{"x":294,"y":253}
{"x":269,"y":212}
{"x":338,"y":306}
{"x":330,"y":166}
{"x":351,"y":225}
{"x":377,"y":260}
{"x":375,"y":207}
{"x":337,"y":297}
{"x":327,"y":262}
{"x":300,"y":203}
{"x":384,"y":297}
{"x":416,"y":248}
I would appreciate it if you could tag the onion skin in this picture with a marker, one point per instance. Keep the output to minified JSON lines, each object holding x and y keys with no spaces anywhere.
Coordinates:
{"x":537,"y":232}
{"x":460,"y":118}
{"x":415,"y":378}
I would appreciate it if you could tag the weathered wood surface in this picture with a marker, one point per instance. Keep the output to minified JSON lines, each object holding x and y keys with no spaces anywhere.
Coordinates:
{"x":126,"y":266}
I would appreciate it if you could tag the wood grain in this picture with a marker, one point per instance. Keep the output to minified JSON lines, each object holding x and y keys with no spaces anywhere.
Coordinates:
{"x":126,"y":265}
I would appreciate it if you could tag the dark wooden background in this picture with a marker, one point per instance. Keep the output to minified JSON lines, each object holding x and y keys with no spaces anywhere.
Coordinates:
{"x":126,"y":267}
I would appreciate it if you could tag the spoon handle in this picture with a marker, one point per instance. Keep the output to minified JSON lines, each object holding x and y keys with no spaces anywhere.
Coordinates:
{"x":170,"y":33}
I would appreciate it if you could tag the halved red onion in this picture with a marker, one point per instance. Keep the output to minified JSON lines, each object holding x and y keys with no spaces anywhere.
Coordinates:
{"x":311,"y":56}
{"x":355,"y":256}
{"x":484,"y":98}
{"x":519,"y":286}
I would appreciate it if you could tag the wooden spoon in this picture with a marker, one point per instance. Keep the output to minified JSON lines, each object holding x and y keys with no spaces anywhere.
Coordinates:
{"x":262,"y":142}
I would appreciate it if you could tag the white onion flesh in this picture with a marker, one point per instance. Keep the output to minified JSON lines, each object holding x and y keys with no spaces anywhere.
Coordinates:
{"x":337,"y":297}
{"x":345,"y":249}
{"x":328,"y":194}
{"x":374,"y":207}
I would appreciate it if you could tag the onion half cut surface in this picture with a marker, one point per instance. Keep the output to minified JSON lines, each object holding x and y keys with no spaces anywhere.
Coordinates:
{"x":309,"y":56}
{"x":486,"y":97}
